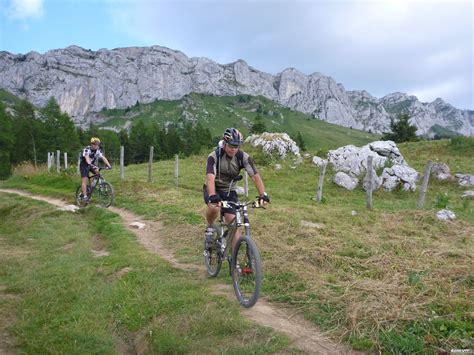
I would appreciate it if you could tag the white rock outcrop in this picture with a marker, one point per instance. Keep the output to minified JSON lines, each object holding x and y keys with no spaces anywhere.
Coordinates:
{"x":445,"y":215}
{"x":465,"y":179}
{"x":279,"y":144}
{"x":352,"y":161}
{"x":399,"y":175}
{"x":440,"y":171}
{"x":346,"y":181}
{"x":376,"y":181}
{"x":319,"y":162}
{"x":468,"y":193}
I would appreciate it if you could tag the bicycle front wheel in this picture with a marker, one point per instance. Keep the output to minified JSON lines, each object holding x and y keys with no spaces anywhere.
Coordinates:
{"x":106,"y":194}
{"x":246,"y":271}
{"x":81,"y":202}
{"x":212,"y":254}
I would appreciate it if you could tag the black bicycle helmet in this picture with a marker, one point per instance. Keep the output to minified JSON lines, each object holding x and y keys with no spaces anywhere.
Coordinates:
{"x":233,"y":136}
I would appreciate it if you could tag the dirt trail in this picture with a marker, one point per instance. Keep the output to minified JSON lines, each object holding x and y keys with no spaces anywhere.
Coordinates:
{"x":305,"y":335}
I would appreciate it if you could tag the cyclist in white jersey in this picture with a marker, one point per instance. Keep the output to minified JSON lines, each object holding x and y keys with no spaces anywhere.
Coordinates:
{"x":90,"y":156}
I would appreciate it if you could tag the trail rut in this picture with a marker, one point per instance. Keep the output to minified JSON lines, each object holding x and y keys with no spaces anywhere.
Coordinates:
{"x":304,"y":335}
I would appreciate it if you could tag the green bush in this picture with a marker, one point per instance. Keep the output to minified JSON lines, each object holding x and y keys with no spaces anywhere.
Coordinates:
{"x":442,"y":200}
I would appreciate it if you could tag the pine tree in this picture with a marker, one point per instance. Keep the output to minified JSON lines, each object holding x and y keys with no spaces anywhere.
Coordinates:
{"x":300,"y":142}
{"x":6,"y":142}
{"x":258,"y":126}
{"x":140,"y":141}
{"x":27,"y":132}
{"x":60,"y":131}
{"x":402,"y":130}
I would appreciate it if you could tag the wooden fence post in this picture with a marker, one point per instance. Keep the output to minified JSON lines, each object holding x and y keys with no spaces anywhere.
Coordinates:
{"x":369,"y":182}
{"x":58,"y":161}
{"x":319,"y":193}
{"x":121,"y":162}
{"x":176,"y":169}
{"x":246,"y":184}
{"x":150,"y":162}
{"x":424,"y":186}
{"x":65,"y":161}
{"x":49,"y":162}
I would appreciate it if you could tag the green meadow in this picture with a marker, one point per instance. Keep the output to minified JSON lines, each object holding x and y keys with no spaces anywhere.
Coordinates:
{"x":393,"y":279}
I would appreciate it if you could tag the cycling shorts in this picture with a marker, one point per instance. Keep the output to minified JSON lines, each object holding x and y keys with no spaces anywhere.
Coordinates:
{"x":225,"y":196}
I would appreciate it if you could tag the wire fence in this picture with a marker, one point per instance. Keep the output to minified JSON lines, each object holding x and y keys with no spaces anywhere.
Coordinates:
{"x":57,"y":161}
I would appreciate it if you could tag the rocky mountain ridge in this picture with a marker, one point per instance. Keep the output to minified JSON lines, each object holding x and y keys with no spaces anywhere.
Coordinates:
{"x":84,"y":82}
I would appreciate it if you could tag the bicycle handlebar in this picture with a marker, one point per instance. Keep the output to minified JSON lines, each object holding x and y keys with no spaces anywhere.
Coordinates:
{"x":239,"y":205}
{"x":99,"y":168}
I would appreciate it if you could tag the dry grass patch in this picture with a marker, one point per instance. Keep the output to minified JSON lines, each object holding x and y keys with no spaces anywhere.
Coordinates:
{"x":372,"y":276}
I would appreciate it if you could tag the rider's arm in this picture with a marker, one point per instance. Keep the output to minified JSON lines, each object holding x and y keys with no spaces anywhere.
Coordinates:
{"x":210,"y":182}
{"x":106,"y":161}
{"x":88,"y":159}
{"x":257,"y":180}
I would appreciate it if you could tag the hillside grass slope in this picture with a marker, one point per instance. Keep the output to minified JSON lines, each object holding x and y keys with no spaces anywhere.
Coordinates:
{"x":219,"y":112}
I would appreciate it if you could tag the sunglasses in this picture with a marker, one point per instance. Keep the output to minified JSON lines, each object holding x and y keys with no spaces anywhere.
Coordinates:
{"x":232,"y":145}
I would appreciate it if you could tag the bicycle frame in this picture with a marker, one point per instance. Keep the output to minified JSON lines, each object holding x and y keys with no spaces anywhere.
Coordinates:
{"x":94,"y":181}
{"x":229,"y":229}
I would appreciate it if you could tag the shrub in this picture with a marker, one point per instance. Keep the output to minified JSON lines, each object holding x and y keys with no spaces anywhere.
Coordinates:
{"x":442,"y":200}
{"x":462,"y":143}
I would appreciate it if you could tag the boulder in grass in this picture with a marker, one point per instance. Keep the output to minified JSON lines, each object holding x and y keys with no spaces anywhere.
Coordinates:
{"x":440,"y":171}
{"x":346,"y":181}
{"x":387,"y":149}
{"x":465,"y":179}
{"x":445,"y":215}
{"x":468,"y":193}
{"x":319,"y":162}
{"x":376,"y":181}
{"x":352,"y":160}
{"x":138,"y":225}
{"x":399,"y":175}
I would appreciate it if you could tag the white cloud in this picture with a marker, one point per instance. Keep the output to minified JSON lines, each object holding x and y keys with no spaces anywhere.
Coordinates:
{"x":447,"y":89}
{"x":24,"y":9}
{"x":381,"y":46}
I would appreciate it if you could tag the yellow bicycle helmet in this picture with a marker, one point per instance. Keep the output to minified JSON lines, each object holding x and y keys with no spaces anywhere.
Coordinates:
{"x":95,"y":140}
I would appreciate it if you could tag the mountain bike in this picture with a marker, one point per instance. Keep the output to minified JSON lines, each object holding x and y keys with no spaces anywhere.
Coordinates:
{"x":105,"y":191}
{"x":245,"y":265}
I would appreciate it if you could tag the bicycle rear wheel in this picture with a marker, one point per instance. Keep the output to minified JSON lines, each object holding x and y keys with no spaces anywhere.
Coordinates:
{"x":81,"y":202}
{"x":106,"y":194}
{"x":212,"y":254}
{"x":246,"y":271}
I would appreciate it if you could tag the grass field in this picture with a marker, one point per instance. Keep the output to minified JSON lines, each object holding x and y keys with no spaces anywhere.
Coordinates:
{"x":57,"y":296}
{"x":393,"y":279}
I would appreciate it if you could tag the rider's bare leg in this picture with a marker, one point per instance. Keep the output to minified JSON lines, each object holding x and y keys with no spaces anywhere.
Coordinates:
{"x":84,"y":185}
{"x":211,"y":213}
{"x":229,"y":217}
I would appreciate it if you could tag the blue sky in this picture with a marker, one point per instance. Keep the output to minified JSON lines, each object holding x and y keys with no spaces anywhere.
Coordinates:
{"x":424,"y":48}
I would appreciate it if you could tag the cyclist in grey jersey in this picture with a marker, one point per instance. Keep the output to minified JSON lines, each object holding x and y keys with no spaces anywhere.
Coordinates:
{"x":229,"y":167}
{"x":223,"y":165}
